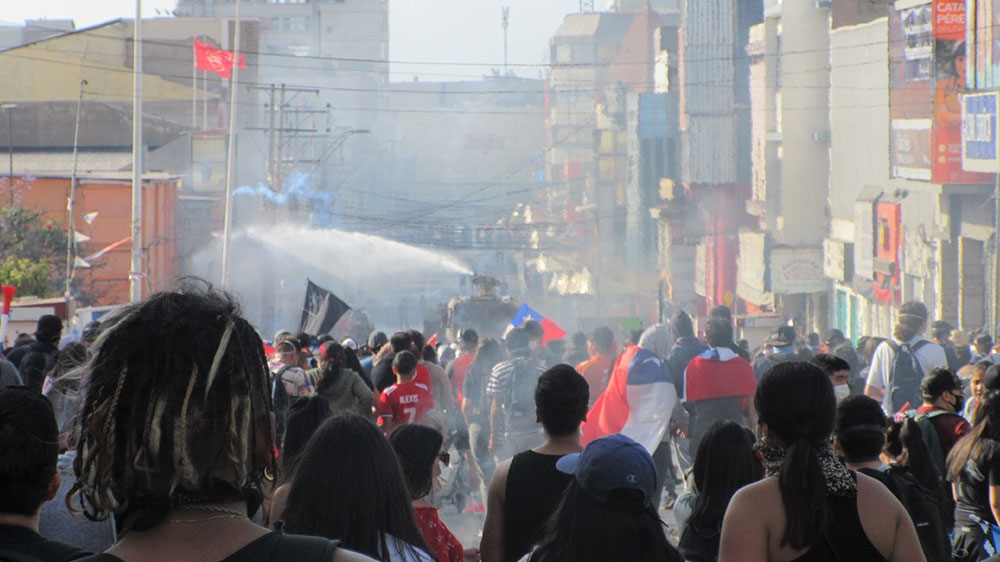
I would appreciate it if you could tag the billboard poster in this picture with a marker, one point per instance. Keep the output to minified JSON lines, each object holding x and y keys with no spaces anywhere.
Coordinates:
{"x":927,"y":65}
{"x":911,"y":58}
{"x":949,"y":84}
{"x":980,"y":151}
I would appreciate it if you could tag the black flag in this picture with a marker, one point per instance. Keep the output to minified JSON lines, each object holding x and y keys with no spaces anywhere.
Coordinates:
{"x":321,"y":310}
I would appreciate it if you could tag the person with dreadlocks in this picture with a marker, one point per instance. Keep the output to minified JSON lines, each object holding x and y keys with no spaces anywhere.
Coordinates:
{"x":177,"y":430}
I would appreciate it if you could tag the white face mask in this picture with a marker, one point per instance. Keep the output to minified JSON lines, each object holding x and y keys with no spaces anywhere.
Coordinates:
{"x":841,"y":392}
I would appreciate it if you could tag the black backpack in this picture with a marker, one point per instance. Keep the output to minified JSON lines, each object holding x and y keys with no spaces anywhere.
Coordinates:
{"x":905,"y":376}
{"x":929,"y":435}
{"x":520,"y":409}
{"x":923,"y":508}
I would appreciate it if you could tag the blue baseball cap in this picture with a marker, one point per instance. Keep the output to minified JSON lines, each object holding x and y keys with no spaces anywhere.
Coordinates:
{"x":611,"y":463}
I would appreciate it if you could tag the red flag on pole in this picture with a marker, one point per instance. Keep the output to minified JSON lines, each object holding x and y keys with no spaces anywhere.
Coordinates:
{"x":214,"y":59}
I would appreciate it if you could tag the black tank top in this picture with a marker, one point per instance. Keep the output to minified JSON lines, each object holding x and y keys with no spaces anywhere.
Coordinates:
{"x":844,"y":539}
{"x":534,"y":488}
{"x":272,"y":547}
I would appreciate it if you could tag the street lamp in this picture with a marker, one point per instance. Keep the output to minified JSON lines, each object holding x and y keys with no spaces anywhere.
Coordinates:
{"x":10,"y":150}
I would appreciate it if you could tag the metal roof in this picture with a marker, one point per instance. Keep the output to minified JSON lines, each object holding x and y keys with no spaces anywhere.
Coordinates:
{"x":49,"y":163}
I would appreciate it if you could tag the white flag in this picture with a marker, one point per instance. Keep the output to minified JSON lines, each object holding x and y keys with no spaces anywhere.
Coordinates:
{"x":78,"y":263}
{"x":89,"y":217}
{"x":79,"y":237}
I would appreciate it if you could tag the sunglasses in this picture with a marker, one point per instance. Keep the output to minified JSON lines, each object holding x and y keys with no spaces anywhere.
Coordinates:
{"x":445,"y":458}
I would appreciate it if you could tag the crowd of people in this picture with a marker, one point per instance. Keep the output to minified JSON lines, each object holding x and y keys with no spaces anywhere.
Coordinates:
{"x":172,"y":431}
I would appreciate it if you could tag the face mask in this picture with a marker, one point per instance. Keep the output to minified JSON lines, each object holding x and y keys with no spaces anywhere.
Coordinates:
{"x":841,"y":392}
{"x":959,"y":402}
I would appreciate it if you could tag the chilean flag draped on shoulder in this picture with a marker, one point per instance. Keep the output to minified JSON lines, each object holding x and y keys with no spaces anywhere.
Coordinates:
{"x":637,"y":401}
{"x":551,"y":329}
{"x":718,"y":373}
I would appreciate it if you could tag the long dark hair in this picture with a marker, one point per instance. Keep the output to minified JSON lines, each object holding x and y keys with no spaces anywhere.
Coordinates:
{"x":723,"y":463}
{"x":983,"y":442}
{"x":796,"y":401}
{"x":334,"y":360}
{"x":489,"y":353}
{"x":417,"y":447}
{"x":303,"y":418}
{"x":348,"y":486}
{"x":583,"y":529}
{"x":904,"y":441}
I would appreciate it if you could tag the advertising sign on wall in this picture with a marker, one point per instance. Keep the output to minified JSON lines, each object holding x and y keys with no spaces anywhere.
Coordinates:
{"x":927,"y":65}
{"x":979,"y":132}
{"x":797,"y":270}
{"x":888,"y":239}
{"x":864,"y":229}
{"x":949,"y":85}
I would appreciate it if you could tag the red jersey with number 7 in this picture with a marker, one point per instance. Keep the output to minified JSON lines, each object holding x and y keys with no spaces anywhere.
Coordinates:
{"x":406,"y":402}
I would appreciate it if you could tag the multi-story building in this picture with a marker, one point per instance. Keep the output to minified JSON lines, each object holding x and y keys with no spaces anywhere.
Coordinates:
{"x":582,"y":50}
{"x":714,"y":121}
{"x":907,"y":222}
{"x":781,"y":252}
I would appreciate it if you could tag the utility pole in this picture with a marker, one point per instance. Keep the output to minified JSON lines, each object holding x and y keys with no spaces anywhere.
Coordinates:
{"x":231,"y":150}
{"x":505,"y":14}
{"x":10,"y":151}
{"x":271,"y":172}
{"x":276,"y":129}
{"x":135,"y":270}
{"x":279,"y":165}
{"x":70,"y":232}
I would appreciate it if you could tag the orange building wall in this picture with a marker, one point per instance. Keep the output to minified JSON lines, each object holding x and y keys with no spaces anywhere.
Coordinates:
{"x":112,"y":200}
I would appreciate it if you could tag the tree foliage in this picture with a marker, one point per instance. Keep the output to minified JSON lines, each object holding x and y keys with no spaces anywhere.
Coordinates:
{"x":33,"y":252}
{"x":30,"y":278}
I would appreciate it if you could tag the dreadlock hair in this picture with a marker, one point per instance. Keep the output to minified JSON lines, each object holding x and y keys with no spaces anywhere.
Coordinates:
{"x":176,"y":399}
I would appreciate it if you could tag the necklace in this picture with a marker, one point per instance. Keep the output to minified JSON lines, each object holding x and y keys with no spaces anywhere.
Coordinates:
{"x":224,"y":513}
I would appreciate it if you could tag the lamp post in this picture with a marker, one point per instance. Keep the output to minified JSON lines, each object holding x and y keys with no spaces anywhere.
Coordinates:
{"x":10,"y":151}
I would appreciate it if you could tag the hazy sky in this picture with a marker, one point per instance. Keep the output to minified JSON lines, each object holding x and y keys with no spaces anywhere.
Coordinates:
{"x":434,"y":31}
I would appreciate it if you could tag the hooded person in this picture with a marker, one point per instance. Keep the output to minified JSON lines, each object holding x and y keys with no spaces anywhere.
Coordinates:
{"x":660,"y":340}
{"x":719,"y":384}
{"x":37,"y":358}
{"x":686,"y":347}
{"x":640,"y":395}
